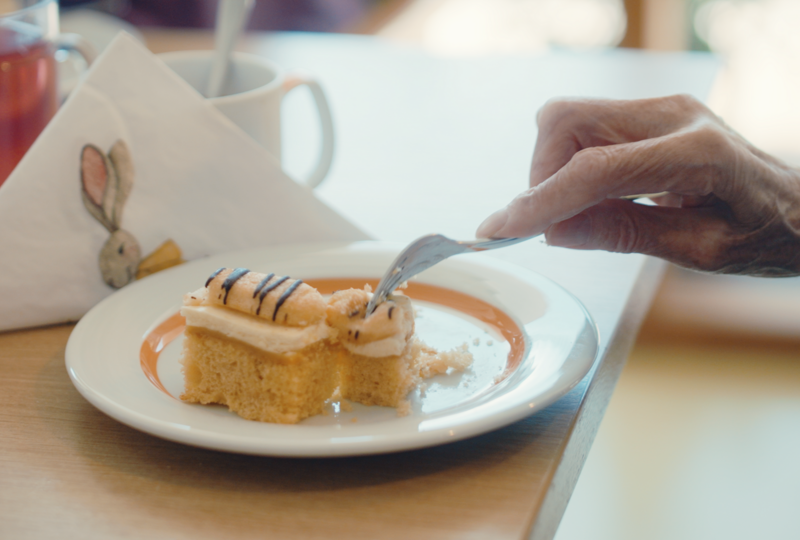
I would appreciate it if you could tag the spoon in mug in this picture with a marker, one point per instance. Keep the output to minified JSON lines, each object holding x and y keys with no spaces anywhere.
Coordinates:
{"x":231,"y":18}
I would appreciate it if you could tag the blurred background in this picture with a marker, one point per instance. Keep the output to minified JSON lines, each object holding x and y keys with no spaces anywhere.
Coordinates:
{"x":702,"y":436}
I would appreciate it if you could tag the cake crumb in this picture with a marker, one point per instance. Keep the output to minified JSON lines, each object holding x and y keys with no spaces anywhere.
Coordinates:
{"x":430,"y":362}
{"x":404,"y":408}
{"x":353,"y":420}
{"x":476,"y":341}
{"x":490,"y":343}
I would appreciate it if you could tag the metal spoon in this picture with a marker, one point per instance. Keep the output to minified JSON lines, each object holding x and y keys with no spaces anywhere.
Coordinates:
{"x":231,"y":18}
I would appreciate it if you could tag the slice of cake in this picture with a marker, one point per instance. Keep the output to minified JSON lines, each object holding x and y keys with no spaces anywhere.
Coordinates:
{"x":260,"y":345}
{"x":377,"y":366}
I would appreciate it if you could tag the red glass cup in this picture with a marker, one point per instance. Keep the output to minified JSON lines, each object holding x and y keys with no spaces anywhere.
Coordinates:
{"x":29,"y":39}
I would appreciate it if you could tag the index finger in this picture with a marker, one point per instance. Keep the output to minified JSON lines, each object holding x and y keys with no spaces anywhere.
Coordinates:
{"x":676,"y":163}
{"x":567,"y":126}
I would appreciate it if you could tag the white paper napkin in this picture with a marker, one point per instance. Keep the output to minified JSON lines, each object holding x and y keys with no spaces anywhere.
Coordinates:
{"x":193,"y":178}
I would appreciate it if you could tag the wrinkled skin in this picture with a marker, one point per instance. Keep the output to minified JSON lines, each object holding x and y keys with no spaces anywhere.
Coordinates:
{"x":729,"y":208}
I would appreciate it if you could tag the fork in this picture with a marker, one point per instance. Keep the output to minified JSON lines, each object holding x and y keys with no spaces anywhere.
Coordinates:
{"x":423,"y":253}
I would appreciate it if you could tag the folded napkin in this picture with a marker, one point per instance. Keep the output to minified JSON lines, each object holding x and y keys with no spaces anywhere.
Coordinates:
{"x":135,"y":173}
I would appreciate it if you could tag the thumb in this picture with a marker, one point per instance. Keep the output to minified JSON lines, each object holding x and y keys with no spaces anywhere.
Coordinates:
{"x":691,"y":237}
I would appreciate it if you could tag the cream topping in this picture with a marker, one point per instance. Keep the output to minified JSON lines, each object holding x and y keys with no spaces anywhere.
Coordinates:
{"x":385,"y":332}
{"x":254,"y":331}
{"x":391,"y":346}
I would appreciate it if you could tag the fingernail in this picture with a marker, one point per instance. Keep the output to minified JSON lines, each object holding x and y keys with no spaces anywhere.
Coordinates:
{"x":573,"y":232}
{"x":492,"y":224}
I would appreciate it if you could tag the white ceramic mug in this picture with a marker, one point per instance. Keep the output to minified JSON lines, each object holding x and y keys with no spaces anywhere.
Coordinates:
{"x":252,"y":96}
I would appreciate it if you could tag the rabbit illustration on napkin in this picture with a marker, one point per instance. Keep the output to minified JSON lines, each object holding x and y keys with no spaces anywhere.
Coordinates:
{"x":106,"y":182}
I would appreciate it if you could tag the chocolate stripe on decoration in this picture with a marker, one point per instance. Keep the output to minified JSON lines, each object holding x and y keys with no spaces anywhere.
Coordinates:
{"x":267,"y":290}
{"x":232,"y":278}
{"x":286,"y":294}
{"x":215,"y":274}
{"x":262,"y":284}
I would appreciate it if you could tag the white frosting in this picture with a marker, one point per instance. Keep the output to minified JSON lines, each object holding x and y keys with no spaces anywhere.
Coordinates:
{"x":254,"y":331}
{"x":391,"y":346}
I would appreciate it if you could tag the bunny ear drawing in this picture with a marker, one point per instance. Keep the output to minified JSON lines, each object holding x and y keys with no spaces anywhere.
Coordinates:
{"x":106,"y":183}
{"x":99,"y":186}
{"x":120,"y":158}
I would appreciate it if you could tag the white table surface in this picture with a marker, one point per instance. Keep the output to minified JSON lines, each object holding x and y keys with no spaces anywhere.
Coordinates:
{"x":448,"y":141}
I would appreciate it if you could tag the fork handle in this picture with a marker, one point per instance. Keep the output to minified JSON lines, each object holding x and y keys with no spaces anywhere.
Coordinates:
{"x":484,"y":244}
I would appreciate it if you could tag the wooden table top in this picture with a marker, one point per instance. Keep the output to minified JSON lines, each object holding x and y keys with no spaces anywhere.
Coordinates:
{"x":68,"y":470}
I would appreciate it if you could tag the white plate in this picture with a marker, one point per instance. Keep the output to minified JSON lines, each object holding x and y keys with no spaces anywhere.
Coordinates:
{"x":103,"y":360}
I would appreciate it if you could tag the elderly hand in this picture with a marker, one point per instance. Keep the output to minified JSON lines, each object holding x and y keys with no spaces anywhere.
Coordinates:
{"x":729,"y":207}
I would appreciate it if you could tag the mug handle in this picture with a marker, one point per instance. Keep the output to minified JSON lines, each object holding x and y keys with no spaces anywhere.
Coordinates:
{"x":291,"y":82}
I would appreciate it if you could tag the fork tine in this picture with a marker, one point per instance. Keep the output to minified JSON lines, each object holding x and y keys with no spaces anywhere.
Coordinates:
{"x":415,"y":258}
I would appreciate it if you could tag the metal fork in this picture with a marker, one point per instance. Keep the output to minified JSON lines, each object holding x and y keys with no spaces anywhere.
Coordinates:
{"x":423,"y":253}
